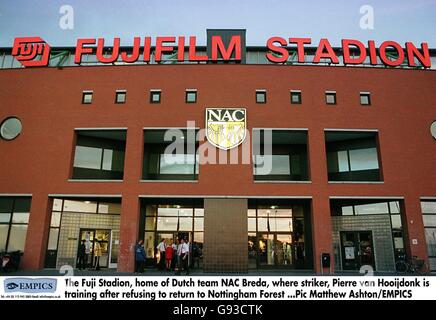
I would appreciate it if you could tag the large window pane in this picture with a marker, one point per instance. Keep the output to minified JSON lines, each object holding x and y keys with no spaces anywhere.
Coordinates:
{"x":107,"y":159}
{"x":428,"y":206}
{"x":185,"y":224}
{"x":4,"y":228}
{"x":280,"y":224}
{"x":430,"y":235}
{"x":55,"y":219}
{"x":252,"y":224}
{"x":199,"y":224}
{"x":22,"y":205}
{"x":20,"y":217}
{"x":372,"y":208}
{"x":364,"y":159}
{"x":6,"y":205}
{"x":109,"y":208}
{"x":87,"y":157}
{"x":17,"y":237}
{"x":80,"y":206}
{"x":177,"y":164}
{"x":429,"y":220}
{"x":57,"y":204}
{"x":272,"y":164}
{"x":343,"y":161}
{"x":149,"y":244}
{"x":53,"y":239}
{"x":150,"y":223}
{"x":5,"y":217}
{"x":167,"y":223}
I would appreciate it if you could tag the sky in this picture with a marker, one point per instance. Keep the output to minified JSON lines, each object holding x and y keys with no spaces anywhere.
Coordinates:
{"x":398,"y":20}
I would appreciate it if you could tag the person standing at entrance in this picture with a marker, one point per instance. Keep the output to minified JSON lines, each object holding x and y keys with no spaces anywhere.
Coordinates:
{"x":97,"y":255}
{"x":139,"y":257}
{"x":184,"y":256}
{"x":81,"y":255}
{"x":161,"y":247}
{"x":169,"y":254}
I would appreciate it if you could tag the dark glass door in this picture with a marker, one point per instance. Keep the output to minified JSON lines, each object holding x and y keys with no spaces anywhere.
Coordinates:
{"x":357,"y":249}
{"x":91,"y":236}
{"x":275,"y":250}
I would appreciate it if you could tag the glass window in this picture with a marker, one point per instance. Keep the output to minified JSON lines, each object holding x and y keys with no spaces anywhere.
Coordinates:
{"x":251,"y":212}
{"x":53,"y":239}
{"x":365,"y":99}
{"x":120,"y":96}
{"x":17,"y":237}
{"x":87,"y":97}
{"x":280,"y":224}
{"x":55,"y":219}
{"x":5,"y":217}
{"x":155,"y":96}
{"x":429,"y":220}
{"x":191,"y":96}
{"x":22,"y":205}
{"x":252,"y":224}
{"x":296,"y":97}
{"x":20,"y":217}
{"x":150,"y":223}
{"x":87,"y":157}
{"x":372,"y":208}
{"x":167,"y":223}
{"x":396,"y":221}
{"x":109,"y":208}
{"x":10,"y":128}
{"x":343,"y":161}
{"x":199,"y":212}
{"x":262,"y":224}
{"x":149,"y":244}
{"x":330,"y":97}
{"x":57,"y":204}
{"x":107,"y":159}
{"x":6,"y":205}
{"x":428,"y":206}
{"x":4,"y":228}
{"x":430,"y":235}
{"x":177,"y":163}
{"x":80,"y":206}
{"x":260,"y":96}
{"x":364,"y":159}
{"x":347,"y":211}
{"x":272,"y":164}
{"x":199,"y":224}
{"x":394,"y":206}
{"x":199,"y":237}
{"x":185,"y":224}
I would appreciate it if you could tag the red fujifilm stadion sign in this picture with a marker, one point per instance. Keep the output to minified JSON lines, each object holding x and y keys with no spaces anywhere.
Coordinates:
{"x":33,"y":51}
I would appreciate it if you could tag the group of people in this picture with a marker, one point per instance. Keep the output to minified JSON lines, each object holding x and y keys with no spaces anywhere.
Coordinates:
{"x":173,"y":256}
{"x":83,"y":253}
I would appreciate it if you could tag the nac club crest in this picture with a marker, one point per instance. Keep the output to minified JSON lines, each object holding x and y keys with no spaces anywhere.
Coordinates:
{"x":226,"y":127}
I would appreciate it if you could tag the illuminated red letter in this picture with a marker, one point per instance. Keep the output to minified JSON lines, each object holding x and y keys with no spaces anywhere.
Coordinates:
{"x":324,"y":44}
{"x":346,"y":43}
{"x":382,"y":51}
{"x":135,"y":51}
{"x":80,"y":49}
{"x":218,"y":45}
{"x":300,"y":46}
{"x":412,"y":52}
{"x":115,"y":49}
{"x":372,"y":53}
{"x":147,"y":49}
{"x":283,"y":52}
{"x":192,"y":51}
{"x":181,"y":49}
{"x":161,"y":48}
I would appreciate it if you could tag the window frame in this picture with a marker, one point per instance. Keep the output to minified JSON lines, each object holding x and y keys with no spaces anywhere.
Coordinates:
{"x":154,"y":92}
{"x":331,"y":93}
{"x":118,"y":93}
{"x":367,"y":95}
{"x":263,"y":92}
{"x":86,"y":93}
{"x":299,"y":95}
{"x":10,"y":223}
{"x":191,"y":91}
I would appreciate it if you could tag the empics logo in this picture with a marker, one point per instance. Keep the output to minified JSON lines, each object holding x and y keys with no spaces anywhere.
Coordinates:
{"x":226,"y":128}
{"x":31,"y":51}
{"x":30,"y":285}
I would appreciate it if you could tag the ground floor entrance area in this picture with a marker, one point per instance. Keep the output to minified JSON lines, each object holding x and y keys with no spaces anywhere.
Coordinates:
{"x":84,"y":233}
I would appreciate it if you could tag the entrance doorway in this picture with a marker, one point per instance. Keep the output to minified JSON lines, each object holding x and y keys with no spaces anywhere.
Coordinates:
{"x":91,"y":236}
{"x":275,"y":249}
{"x":357,"y":248}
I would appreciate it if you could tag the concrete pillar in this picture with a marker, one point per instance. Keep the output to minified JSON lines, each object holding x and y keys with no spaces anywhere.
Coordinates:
{"x":225,"y":235}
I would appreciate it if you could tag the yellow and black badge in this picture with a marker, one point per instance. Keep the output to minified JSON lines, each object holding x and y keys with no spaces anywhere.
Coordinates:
{"x":226,"y":127}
